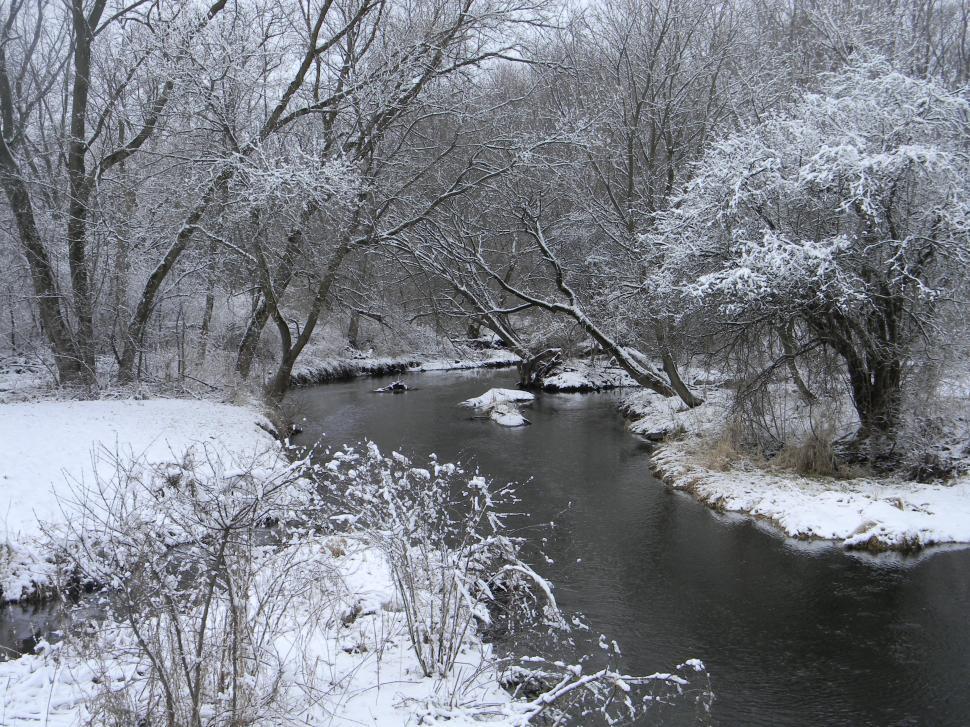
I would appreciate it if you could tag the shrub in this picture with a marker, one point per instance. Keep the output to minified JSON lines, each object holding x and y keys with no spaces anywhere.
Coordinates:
{"x":442,"y":532}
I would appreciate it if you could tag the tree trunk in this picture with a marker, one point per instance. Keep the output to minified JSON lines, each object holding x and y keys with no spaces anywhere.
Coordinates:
{"x":680,"y":388}
{"x":670,"y":368}
{"x":787,"y":336}
{"x":250,"y":340}
{"x":533,"y":367}
{"x":873,"y":360}
{"x":135,"y":331}
{"x":633,"y":363}
{"x":280,"y":382}
{"x":80,"y":188}
{"x":67,"y":358}
{"x":210,"y":300}
{"x":260,"y":315}
{"x":876,"y":394}
{"x":640,"y":370}
{"x":353,"y":329}
{"x":119,"y":280}
{"x":13,"y":329}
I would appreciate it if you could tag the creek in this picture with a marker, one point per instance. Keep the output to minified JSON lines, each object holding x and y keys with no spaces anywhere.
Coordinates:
{"x":792,"y":633}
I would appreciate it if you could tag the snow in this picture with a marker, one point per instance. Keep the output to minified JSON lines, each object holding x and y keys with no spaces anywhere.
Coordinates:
{"x":351,"y":664}
{"x":493,"y":397}
{"x":316,"y":369}
{"x":489,"y":359}
{"x":47,"y":447}
{"x":860,"y":512}
{"x":655,"y":417}
{"x":507,"y":415}
{"x":19,"y":377}
{"x":575,"y":375}
{"x":501,"y":406}
{"x":312,"y":369}
{"x":360,"y":661}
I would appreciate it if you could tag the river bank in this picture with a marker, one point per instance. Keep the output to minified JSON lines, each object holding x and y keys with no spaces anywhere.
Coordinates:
{"x":573,"y":375}
{"x":56,"y":453}
{"x":333,"y":630}
{"x":61,"y":463}
{"x":315,"y":369}
{"x":863,"y":512}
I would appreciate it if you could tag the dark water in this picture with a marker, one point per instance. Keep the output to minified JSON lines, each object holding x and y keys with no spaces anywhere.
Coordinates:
{"x":792,"y":633}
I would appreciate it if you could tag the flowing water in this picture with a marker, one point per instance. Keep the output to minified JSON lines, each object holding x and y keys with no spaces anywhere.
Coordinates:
{"x":792,"y":633}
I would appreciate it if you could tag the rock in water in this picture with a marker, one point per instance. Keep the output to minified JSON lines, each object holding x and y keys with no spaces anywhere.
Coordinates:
{"x":493,"y":397}
{"x":508,"y":415}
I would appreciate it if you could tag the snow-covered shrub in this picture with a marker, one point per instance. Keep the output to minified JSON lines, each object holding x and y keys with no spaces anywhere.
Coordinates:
{"x":227,"y":605}
{"x":442,"y":531}
{"x":560,"y":693}
{"x":934,"y":443}
{"x":457,"y":572}
{"x":196,"y":590}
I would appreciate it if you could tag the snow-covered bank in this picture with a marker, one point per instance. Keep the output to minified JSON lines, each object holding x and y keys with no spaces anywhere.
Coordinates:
{"x":47,"y":448}
{"x":860,"y":512}
{"x":319,"y":370}
{"x":576,"y":375}
{"x":340,"y":652}
{"x":657,"y":417}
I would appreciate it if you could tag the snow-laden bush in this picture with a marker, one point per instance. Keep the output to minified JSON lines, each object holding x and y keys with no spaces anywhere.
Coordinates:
{"x":457,"y":571}
{"x":250,"y":592}
{"x":442,"y":531}
{"x":197,"y":594}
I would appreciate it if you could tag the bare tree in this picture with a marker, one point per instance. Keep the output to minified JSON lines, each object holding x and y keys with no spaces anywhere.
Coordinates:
{"x":64,"y":143}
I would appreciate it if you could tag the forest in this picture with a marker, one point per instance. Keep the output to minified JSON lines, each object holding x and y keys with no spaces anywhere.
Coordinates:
{"x":777,"y":187}
{"x":752,"y":217}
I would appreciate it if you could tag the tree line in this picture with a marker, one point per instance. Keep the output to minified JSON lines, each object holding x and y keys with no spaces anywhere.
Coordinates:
{"x":780,"y":186}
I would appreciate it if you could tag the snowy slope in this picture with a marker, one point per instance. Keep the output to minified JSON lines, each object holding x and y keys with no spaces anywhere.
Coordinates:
{"x":47,"y":447}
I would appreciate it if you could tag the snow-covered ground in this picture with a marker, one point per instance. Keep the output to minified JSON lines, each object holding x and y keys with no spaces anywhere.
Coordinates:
{"x":314,"y":369}
{"x":655,"y":417}
{"x":580,"y":375}
{"x":49,"y":449}
{"x":349,"y":663}
{"x":860,"y":512}
{"x":354,"y":666}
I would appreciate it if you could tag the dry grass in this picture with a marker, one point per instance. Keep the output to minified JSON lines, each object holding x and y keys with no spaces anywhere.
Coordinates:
{"x":721,"y":452}
{"x":813,"y":456}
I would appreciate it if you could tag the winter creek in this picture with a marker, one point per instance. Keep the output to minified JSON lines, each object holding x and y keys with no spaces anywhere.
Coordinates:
{"x":792,"y":633}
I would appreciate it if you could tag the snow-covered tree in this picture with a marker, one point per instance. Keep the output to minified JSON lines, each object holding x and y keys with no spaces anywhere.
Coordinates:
{"x":847,"y":213}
